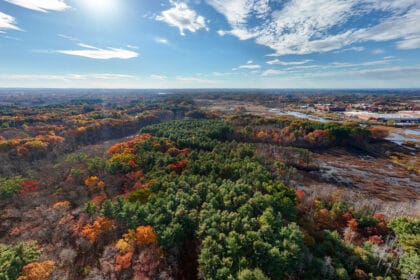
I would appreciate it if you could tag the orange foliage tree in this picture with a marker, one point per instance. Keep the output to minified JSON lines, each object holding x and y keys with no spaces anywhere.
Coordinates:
{"x":376,"y":239}
{"x":93,"y":231}
{"x":62,"y":204}
{"x":94,"y":184}
{"x":320,"y":137}
{"x":37,"y":271}
{"x":123,"y":261}
{"x":379,"y":133}
{"x":353,"y":224}
{"x":91,"y":181}
{"x":145,"y":235}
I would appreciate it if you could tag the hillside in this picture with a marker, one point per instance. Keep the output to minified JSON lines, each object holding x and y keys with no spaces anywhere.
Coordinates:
{"x":199,"y":198}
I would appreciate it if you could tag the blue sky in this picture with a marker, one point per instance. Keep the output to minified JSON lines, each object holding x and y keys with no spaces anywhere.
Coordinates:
{"x":210,"y":43}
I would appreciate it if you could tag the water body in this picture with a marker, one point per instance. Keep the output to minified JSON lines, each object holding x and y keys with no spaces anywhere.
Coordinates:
{"x":412,"y":132}
{"x":406,"y":135}
{"x":401,"y":139}
{"x":299,"y":115}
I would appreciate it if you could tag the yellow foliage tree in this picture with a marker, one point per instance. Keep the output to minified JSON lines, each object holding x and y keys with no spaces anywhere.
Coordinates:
{"x":62,"y":204}
{"x":127,"y":243}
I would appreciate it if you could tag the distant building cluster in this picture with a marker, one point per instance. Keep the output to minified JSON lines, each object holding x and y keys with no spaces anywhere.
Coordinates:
{"x":402,"y":117}
{"x":330,"y":107}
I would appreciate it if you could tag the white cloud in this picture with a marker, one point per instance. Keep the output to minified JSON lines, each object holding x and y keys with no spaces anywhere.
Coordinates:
{"x":87,"y":46}
{"x":73,"y":80}
{"x":299,"y":22}
{"x":242,"y":34}
{"x":390,"y":73}
{"x":367,"y":63}
{"x":238,"y":11}
{"x":386,"y":74}
{"x":195,"y":80}
{"x":102,"y":76}
{"x":7,"y":22}
{"x":309,"y":26}
{"x":341,"y":65}
{"x":68,"y":37}
{"x":97,"y":53}
{"x":41,"y":5}
{"x":182,"y":17}
{"x":356,"y":49}
{"x":220,"y":74}
{"x":272,"y":72}
{"x":395,"y":27}
{"x":162,"y":41}
{"x":249,"y":62}
{"x":132,"y":47}
{"x":409,"y":43}
{"x":377,"y":51}
{"x":158,"y":77}
{"x":250,"y":66}
{"x":285,"y":63}
{"x":67,"y":77}
{"x":235,"y":11}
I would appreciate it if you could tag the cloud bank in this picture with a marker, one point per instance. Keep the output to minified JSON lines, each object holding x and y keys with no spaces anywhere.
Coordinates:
{"x":89,"y":51}
{"x":315,"y":26}
{"x":41,"y":5}
{"x":184,"y":18}
{"x":7,"y":22}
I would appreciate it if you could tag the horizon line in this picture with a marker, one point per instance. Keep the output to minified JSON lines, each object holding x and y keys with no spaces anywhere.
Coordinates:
{"x":204,"y":88}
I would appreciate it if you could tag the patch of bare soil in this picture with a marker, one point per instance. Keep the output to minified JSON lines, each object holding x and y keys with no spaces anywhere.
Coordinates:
{"x":375,"y":178}
{"x":378,"y":176}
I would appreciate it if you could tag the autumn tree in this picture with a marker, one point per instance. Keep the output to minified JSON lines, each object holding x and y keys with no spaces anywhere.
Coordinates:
{"x":10,"y":186}
{"x":127,"y":243}
{"x":379,"y":133}
{"x":147,"y":265}
{"x":145,"y":235}
{"x":94,"y":184}
{"x":93,"y":231}
{"x":37,"y":271}
{"x":14,"y":257}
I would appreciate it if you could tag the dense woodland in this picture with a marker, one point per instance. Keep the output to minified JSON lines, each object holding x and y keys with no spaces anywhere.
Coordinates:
{"x":156,"y":189}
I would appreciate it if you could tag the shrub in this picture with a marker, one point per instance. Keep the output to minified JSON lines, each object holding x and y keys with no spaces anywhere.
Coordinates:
{"x":14,"y":257}
{"x":10,"y":186}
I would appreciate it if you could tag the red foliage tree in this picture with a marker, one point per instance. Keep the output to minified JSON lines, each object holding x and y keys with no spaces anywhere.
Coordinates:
{"x":178,"y":166}
{"x":376,"y":239}
{"x":29,"y":186}
{"x":146,"y":267}
{"x":300,"y":194}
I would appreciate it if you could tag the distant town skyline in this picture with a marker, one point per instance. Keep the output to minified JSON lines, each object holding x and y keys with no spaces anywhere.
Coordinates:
{"x":210,"y":44}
